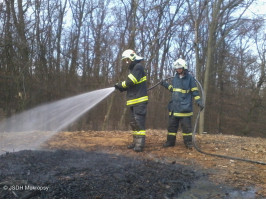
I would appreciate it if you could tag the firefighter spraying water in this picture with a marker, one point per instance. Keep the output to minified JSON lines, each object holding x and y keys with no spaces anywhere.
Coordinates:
{"x":183,"y":88}
{"x":137,"y":98}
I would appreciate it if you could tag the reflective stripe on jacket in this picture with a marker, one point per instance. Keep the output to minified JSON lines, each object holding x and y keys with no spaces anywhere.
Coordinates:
{"x":136,"y":85}
{"x":183,"y":90}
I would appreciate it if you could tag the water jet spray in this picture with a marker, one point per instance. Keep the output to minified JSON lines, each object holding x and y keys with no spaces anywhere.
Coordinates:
{"x":29,"y":129}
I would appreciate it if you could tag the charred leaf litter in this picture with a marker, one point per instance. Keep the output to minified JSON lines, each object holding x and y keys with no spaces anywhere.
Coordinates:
{"x":85,"y":175}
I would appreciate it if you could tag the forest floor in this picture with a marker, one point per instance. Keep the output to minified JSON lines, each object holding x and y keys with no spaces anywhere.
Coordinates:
{"x":97,"y":164}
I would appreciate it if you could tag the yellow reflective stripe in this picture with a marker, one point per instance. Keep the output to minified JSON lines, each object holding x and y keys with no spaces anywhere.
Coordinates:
{"x":180,"y":90}
{"x":134,"y":132}
{"x":135,"y":81}
{"x":170,"y":87}
{"x":141,"y":132}
{"x":186,"y":134}
{"x":182,"y":114}
{"x":132,"y":78}
{"x":144,"y":78}
{"x":138,"y":100}
{"x":194,"y":89}
{"x":174,"y":134}
{"x":197,"y":97}
{"x":124,"y":84}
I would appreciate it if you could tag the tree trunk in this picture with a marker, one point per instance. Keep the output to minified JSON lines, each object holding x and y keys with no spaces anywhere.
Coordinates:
{"x":209,"y":63}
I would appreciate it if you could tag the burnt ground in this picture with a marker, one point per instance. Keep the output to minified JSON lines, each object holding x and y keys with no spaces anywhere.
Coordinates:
{"x":80,"y":174}
{"x":97,"y":164}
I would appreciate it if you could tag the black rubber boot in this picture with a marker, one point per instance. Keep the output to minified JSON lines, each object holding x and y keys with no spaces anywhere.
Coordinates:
{"x":139,"y":144}
{"x":170,"y":141}
{"x":188,"y":141}
{"x":132,"y":145}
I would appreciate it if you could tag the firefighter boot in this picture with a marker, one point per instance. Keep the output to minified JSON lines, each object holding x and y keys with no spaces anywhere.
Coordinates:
{"x":132,"y":145}
{"x":139,"y":144}
{"x":170,"y":141}
{"x":188,"y":141}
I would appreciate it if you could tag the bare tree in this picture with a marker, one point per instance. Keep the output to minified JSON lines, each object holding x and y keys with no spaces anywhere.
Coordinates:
{"x":219,"y":9}
{"x":256,"y":108}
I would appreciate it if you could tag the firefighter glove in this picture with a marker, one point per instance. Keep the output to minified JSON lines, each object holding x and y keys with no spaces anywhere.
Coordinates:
{"x":200,"y":105}
{"x":119,"y":87}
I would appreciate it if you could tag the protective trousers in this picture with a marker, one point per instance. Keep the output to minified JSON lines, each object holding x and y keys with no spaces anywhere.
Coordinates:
{"x":173,"y":125}
{"x":137,"y":123}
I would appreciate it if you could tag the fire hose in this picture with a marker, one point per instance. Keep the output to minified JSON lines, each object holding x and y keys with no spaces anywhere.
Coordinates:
{"x":195,"y":128}
{"x":159,"y":83}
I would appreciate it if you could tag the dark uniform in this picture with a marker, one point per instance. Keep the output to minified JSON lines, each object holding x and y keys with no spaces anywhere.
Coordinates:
{"x":137,"y":99}
{"x":180,"y":107}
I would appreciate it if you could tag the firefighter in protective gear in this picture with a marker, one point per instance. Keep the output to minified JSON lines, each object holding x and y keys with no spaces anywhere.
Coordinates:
{"x":183,"y":89}
{"x":137,"y":98}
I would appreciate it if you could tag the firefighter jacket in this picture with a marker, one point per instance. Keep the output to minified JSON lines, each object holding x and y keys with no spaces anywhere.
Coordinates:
{"x":183,"y":90}
{"x":135,"y":84}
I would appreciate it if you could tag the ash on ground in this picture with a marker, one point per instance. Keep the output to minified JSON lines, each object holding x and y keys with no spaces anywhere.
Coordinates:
{"x":79,"y":174}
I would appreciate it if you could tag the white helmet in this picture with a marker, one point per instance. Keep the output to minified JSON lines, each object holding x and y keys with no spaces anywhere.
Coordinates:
{"x":131,"y":55}
{"x":180,"y":63}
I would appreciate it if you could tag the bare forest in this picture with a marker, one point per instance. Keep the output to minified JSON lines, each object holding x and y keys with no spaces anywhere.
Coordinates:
{"x":52,"y":49}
